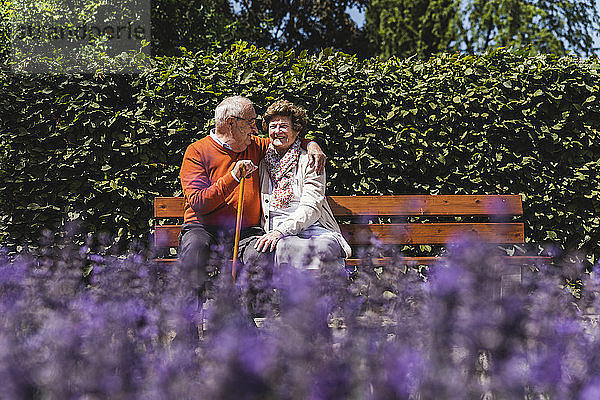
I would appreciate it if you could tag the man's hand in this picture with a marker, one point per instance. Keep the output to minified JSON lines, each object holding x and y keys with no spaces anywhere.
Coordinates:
{"x":316,"y":157}
{"x":247,"y":164}
{"x":268,"y":241}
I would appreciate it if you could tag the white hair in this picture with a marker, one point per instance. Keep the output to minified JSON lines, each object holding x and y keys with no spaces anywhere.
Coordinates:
{"x":230,"y":107}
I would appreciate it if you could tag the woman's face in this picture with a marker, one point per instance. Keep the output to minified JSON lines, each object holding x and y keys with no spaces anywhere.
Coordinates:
{"x":282,"y":133}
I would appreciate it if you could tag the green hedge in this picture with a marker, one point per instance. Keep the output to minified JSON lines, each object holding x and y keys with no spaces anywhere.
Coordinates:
{"x":99,"y":148}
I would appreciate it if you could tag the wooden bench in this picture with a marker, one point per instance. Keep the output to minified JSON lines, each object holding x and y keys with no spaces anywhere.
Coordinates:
{"x":396,"y":220}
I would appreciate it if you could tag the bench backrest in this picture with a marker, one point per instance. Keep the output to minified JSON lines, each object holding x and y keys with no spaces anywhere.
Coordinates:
{"x":413,"y":219}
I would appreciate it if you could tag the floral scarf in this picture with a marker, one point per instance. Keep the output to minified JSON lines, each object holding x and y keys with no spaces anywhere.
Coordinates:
{"x":281,"y":170}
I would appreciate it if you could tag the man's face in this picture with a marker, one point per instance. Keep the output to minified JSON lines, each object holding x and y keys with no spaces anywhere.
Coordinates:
{"x":242,"y":126}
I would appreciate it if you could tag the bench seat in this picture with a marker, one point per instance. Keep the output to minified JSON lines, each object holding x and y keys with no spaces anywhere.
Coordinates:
{"x":396,"y":220}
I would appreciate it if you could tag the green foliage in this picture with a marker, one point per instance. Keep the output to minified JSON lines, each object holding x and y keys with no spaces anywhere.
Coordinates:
{"x":425,"y":27}
{"x":207,"y":25}
{"x":392,"y":27}
{"x":100,"y":148}
{"x":274,"y":24}
{"x":198,"y":25}
{"x":54,"y":36}
{"x":552,"y":26}
{"x":306,"y":24}
{"x":4,"y":32}
{"x":406,"y":27}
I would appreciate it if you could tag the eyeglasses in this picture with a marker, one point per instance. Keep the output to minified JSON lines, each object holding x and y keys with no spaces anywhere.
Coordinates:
{"x":253,"y":122}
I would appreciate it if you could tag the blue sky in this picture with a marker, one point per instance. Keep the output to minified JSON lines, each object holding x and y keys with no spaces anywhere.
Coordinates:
{"x":357,"y":16}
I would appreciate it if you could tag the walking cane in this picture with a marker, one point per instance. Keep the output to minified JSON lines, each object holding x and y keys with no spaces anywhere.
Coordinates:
{"x":238,"y":223}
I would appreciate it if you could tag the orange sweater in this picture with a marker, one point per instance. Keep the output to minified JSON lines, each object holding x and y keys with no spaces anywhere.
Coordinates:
{"x":211,"y":192}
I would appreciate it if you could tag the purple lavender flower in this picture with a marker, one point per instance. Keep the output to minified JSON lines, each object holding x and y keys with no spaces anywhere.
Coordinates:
{"x":84,"y":322}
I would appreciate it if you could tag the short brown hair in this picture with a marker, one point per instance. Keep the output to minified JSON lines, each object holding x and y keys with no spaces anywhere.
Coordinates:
{"x":285,"y":108}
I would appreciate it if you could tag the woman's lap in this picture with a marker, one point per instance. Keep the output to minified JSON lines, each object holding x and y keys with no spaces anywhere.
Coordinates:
{"x":309,"y":249}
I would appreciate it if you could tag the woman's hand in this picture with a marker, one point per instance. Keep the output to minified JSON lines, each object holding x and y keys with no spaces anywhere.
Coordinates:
{"x":268,"y":241}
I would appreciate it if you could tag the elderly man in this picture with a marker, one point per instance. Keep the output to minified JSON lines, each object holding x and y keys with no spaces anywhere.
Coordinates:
{"x":210,"y":176}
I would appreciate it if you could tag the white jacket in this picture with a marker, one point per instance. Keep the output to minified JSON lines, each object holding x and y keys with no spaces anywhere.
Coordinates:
{"x":313,"y":205}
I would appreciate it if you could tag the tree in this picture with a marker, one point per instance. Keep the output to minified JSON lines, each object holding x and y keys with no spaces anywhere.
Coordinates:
{"x":59,"y":36}
{"x":4,"y":33}
{"x":213,"y":24}
{"x":193,"y":24}
{"x":407,"y":27}
{"x":306,"y":24}
{"x":423,"y":27}
{"x":274,"y":24}
{"x":549,"y":26}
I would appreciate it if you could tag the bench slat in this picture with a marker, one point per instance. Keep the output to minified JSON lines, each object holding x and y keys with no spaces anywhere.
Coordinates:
{"x":391,"y":205}
{"x":168,"y":207}
{"x":396,"y":234}
{"x":433,"y":233}
{"x":435,"y":205}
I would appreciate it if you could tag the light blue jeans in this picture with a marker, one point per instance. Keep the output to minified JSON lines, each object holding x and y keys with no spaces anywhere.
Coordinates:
{"x":310,"y":249}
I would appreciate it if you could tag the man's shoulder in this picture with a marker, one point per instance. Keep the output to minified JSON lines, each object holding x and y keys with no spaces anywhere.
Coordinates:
{"x":204,"y":140}
{"x":201,"y":143}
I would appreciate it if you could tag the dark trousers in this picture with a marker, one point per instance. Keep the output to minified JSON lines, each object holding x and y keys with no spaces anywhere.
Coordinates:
{"x":205,"y":247}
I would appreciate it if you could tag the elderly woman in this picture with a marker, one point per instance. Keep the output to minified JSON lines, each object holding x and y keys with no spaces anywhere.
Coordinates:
{"x":295,"y":214}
